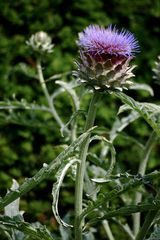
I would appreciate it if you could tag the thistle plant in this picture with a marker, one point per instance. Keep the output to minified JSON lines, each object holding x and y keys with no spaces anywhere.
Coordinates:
{"x":104,"y":194}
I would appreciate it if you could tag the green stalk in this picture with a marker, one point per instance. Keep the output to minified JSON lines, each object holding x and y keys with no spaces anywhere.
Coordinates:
{"x":108,"y":230}
{"x":82,"y":166}
{"x":142,"y":170}
{"x":46,"y":93}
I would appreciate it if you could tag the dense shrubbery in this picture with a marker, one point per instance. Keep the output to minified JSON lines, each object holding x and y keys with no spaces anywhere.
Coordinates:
{"x":25,"y":147}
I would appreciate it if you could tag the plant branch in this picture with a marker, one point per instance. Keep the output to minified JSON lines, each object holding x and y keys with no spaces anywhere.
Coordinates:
{"x":108,"y":230}
{"x":46,"y":93}
{"x":125,"y":227}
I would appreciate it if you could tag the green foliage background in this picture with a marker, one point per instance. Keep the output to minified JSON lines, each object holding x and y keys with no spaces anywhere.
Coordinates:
{"x":24,"y":148}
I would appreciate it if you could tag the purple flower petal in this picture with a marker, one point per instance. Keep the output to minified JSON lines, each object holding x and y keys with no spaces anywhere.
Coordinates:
{"x":97,"y":40}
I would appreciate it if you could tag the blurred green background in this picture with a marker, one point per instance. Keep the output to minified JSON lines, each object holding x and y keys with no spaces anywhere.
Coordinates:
{"x":23,"y":147}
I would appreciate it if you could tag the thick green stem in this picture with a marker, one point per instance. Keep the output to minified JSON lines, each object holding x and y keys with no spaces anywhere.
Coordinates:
{"x":82,"y":166}
{"x":46,"y":93}
{"x":145,"y":228}
{"x":108,"y":230}
{"x":142,"y":170}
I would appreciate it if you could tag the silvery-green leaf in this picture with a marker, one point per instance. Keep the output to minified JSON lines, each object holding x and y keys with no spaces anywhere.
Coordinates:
{"x":112,"y":149}
{"x":12,"y":209}
{"x":72,"y":118}
{"x":45,"y":171}
{"x":56,"y":188}
{"x":142,"y":86}
{"x":57,"y":76}
{"x":150,"y":112}
{"x":122,"y":123}
{"x":70,"y":85}
{"x":65,"y":232}
{"x":22,"y":104}
{"x":34,"y":232}
{"x":119,"y":125}
{"x":26,"y":69}
{"x":156,"y":234}
{"x":71,"y":92}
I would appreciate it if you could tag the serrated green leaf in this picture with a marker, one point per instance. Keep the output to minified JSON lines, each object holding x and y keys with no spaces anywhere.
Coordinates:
{"x":69,"y":88}
{"x":34,"y":232}
{"x":142,"y":86}
{"x":125,"y":211}
{"x":150,"y":112}
{"x":156,"y":234}
{"x":104,"y":198}
{"x":22,"y":113}
{"x":29,"y":119}
{"x":26,"y":70}
{"x":44,"y":172}
{"x":57,"y":76}
{"x":23,"y":104}
{"x":118,"y":126}
{"x":72,"y":118}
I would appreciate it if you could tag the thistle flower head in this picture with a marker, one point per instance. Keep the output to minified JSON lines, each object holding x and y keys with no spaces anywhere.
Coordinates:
{"x":105,"y":54}
{"x":41,"y":42}
{"x":97,"y":40}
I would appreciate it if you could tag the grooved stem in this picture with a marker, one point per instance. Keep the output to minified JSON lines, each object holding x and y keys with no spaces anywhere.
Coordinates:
{"x":82,"y":166}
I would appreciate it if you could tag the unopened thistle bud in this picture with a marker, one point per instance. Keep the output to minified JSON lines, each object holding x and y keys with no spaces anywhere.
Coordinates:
{"x":156,"y":71}
{"x":105,"y":55}
{"x":41,"y":42}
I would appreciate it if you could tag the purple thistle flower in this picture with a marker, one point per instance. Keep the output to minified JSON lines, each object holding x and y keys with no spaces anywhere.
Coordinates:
{"x":105,"y":54}
{"x":100,"y":41}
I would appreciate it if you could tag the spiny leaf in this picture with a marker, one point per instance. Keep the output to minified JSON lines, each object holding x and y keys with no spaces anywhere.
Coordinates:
{"x":156,"y":234}
{"x":103,"y":198}
{"x":44,"y":172}
{"x":23,"y":113}
{"x":12,"y":209}
{"x":56,"y":188}
{"x":125,"y":211}
{"x":23,"y":104}
{"x":30,"y":119}
{"x":150,"y":112}
{"x":72,"y":118}
{"x":118,"y":126}
{"x":34,"y":232}
{"x":60,"y":90}
{"x":142,"y":86}
{"x":69,"y":88}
